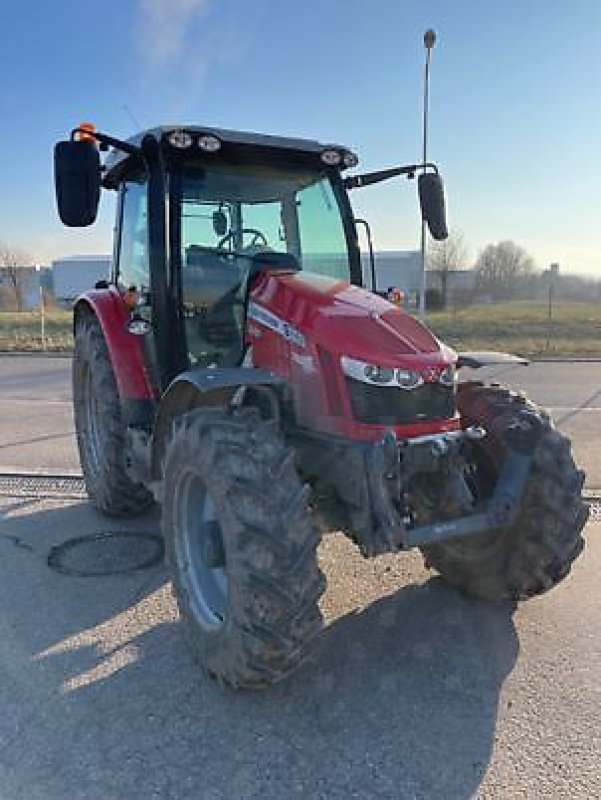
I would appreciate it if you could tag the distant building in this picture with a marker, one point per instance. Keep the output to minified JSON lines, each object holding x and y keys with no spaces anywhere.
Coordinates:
{"x":73,"y":275}
{"x":402,"y":269}
{"x":28,"y":284}
{"x":398,"y":268}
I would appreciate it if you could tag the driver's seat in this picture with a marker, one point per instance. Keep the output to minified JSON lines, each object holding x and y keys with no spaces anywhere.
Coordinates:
{"x":213,"y":307}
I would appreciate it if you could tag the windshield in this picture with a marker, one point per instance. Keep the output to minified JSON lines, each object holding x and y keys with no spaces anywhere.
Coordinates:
{"x":232,"y":214}
{"x":249,"y":209}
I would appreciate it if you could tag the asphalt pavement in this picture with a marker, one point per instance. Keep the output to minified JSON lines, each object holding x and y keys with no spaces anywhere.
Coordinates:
{"x":414,"y":692}
{"x":36,"y":415}
{"x":37,"y":431}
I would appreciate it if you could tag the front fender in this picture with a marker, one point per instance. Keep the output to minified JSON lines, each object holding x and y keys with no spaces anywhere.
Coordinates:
{"x":126,"y":350}
{"x":201,"y":387}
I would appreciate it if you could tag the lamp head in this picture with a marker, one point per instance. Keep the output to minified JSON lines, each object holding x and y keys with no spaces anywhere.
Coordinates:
{"x":429,"y":39}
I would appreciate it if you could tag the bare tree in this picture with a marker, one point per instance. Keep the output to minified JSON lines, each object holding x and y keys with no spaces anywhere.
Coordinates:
{"x":501,"y":268}
{"x":13,"y":261}
{"x":447,"y":256}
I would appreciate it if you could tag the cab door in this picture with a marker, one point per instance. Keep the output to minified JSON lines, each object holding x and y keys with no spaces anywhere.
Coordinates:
{"x":131,"y":261}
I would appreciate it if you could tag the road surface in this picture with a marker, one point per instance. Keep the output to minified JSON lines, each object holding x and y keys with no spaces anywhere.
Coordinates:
{"x":415,"y":692}
{"x":36,"y":420}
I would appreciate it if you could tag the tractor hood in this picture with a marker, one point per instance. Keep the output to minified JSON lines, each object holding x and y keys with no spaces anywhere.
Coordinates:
{"x":348,"y":320}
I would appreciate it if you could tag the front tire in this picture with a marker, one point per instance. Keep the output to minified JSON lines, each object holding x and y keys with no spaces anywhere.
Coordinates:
{"x":101,"y":432}
{"x":537,"y":551}
{"x":240,"y":546}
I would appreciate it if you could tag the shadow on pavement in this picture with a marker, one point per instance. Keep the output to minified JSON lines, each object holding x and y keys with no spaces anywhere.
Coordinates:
{"x":99,"y":697}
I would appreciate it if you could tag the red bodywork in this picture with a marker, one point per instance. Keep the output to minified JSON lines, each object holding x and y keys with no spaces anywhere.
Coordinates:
{"x":323,"y":319}
{"x":126,"y":350}
{"x":299,"y":326}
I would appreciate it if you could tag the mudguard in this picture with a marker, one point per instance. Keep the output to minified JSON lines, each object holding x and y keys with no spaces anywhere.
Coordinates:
{"x":202,"y":387}
{"x":125,"y":349}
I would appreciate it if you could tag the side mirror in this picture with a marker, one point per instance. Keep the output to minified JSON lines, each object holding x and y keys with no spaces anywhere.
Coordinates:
{"x":77,"y":182}
{"x":219,"y":223}
{"x":432,"y":203}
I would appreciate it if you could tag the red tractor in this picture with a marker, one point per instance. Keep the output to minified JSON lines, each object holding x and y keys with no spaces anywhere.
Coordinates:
{"x":235,"y":370}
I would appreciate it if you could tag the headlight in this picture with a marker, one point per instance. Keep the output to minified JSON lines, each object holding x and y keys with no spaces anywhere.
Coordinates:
{"x":408,"y":379}
{"x":448,"y":376}
{"x":350,"y":159}
{"x":396,"y":377}
{"x":209,"y":143}
{"x":331,"y":157}
{"x":180,"y":139}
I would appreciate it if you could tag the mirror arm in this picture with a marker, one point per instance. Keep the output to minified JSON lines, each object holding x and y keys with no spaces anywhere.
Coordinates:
{"x":357,"y":181}
{"x":109,"y":141}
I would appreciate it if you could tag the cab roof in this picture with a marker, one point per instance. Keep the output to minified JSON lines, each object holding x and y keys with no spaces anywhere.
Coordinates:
{"x":239,"y":140}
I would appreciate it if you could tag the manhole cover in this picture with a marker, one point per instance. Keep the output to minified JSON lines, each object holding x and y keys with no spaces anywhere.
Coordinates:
{"x":108,"y":553}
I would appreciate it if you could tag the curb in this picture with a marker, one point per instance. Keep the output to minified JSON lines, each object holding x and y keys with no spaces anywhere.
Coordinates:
{"x":37,"y":353}
{"x":21,"y":472}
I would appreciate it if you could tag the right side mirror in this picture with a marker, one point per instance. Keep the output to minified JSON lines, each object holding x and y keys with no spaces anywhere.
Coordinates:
{"x":432,"y":203}
{"x":77,"y":182}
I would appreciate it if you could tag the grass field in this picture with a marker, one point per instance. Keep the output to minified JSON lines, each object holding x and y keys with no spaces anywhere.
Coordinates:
{"x":23,"y":331}
{"x":521,"y":328}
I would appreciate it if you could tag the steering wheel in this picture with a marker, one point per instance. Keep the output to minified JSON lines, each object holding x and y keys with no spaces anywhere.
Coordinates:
{"x":258,"y":238}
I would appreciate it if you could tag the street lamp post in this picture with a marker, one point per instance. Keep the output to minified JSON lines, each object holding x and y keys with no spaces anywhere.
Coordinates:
{"x":429,"y":40}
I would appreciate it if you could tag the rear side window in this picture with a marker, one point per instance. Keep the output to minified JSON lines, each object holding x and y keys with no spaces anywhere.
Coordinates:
{"x":132,"y":267}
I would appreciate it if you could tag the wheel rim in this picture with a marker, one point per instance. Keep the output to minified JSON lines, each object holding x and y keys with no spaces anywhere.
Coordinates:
{"x":92,"y":428}
{"x":200,"y":552}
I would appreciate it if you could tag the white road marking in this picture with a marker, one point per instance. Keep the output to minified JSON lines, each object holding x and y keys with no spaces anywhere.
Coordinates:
{"x":579,"y":409}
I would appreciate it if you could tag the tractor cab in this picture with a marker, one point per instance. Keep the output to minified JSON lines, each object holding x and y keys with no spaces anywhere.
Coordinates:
{"x":202,"y":212}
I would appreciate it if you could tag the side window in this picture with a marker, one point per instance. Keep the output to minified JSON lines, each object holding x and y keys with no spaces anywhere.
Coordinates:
{"x":133,"y":251}
{"x":322,"y":237}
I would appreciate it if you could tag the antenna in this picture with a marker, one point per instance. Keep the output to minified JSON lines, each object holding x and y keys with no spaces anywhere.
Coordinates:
{"x":131,"y":116}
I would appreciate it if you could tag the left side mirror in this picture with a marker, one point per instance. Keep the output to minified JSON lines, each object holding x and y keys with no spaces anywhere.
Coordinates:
{"x":77,"y":182}
{"x":432,"y":203}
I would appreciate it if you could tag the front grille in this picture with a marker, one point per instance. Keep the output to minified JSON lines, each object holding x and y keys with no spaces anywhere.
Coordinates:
{"x":384,"y":405}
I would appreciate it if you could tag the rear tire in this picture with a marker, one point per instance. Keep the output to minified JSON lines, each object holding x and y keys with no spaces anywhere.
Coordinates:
{"x":241,"y":547}
{"x":537,"y":551}
{"x":101,"y":432}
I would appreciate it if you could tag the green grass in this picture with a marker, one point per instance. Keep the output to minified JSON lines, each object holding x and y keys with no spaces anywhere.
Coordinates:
{"x":520,"y":327}
{"x":23,"y":331}
{"x":523,"y":328}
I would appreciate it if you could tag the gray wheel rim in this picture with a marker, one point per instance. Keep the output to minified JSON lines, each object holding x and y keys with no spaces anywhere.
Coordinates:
{"x":199,"y":544}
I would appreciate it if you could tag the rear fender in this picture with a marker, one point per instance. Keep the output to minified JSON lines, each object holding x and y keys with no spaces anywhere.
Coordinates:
{"x":198,"y":388}
{"x":126,"y":350}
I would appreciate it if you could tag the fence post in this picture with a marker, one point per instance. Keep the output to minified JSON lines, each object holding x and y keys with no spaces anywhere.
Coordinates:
{"x":43,"y":316}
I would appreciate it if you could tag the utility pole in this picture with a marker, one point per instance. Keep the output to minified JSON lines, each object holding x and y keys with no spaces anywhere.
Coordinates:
{"x":42,"y":307}
{"x":429,"y":40}
{"x":553,"y":273}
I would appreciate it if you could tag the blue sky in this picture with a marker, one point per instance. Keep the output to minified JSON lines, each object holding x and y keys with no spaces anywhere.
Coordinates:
{"x":515,"y":104}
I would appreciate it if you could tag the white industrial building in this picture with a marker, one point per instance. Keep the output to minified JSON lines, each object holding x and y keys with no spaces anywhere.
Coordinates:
{"x":73,"y":275}
{"x":394,"y":268}
{"x":400,"y":269}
